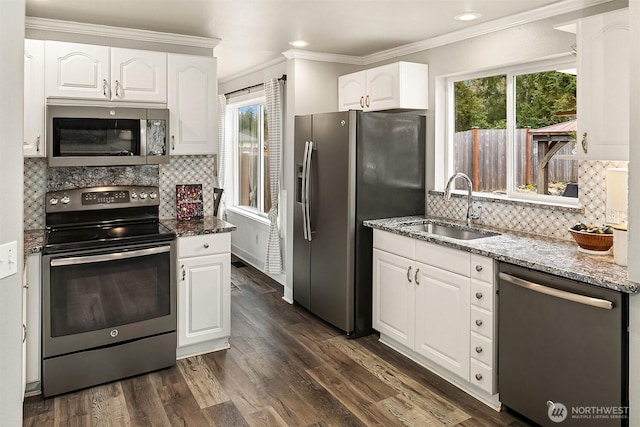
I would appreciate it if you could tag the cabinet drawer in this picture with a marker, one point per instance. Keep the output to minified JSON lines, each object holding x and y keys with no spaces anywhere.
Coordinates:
{"x":394,"y":243}
{"x":482,"y":294}
{"x":482,"y":268}
{"x":206,"y":244}
{"x":481,"y":322}
{"x":482,"y":376}
{"x":453,"y":260}
{"x":481,"y":349}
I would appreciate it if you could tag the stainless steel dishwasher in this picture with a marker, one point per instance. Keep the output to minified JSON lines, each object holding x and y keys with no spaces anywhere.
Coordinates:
{"x":562,"y":349}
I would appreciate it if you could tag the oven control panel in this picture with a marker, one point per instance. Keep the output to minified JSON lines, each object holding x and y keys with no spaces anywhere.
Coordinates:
{"x":79,"y":199}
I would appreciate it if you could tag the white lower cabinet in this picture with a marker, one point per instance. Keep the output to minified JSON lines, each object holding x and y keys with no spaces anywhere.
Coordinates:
{"x":434,"y":304}
{"x":204,"y":293}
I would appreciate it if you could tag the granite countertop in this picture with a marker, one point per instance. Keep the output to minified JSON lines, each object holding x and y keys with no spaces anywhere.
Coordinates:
{"x":554,"y":256}
{"x":207,"y":225}
{"x":34,"y":239}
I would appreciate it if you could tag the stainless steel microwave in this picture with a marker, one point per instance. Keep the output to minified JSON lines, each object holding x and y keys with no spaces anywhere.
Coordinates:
{"x":106,"y":136}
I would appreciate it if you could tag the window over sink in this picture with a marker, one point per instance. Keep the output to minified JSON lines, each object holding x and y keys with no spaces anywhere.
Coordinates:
{"x":512,"y":130}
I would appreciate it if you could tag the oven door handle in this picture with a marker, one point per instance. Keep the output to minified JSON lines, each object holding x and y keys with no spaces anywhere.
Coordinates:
{"x":59,"y":262}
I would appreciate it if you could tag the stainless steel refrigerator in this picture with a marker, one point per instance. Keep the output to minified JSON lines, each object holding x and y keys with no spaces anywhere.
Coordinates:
{"x":350,"y":167}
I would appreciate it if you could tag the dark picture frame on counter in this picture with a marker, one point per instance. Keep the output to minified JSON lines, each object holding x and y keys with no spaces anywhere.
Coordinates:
{"x":189,"y":202}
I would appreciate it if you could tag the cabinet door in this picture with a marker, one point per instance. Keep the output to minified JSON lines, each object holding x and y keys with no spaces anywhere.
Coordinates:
{"x":77,"y":71}
{"x":138,"y":75}
{"x":34,"y":99}
{"x":603,"y":86}
{"x":351,"y":91}
{"x":393,"y":297}
{"x":204,"y":298}
{"x":192,"y":101}
{"x":383,"y":87}
{"x":442,"y":318}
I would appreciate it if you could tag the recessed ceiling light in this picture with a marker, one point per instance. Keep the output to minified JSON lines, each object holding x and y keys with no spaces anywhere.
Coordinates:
{"x":469,"y":16}
{"x":299,"y":43}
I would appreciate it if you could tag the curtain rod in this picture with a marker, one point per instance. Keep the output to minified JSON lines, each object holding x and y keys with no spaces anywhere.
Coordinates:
{"x":248,"y":88}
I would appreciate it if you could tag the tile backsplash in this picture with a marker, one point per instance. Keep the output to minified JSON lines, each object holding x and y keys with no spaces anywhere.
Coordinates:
{"x":38,"y":179}
{"x":547,"y":220}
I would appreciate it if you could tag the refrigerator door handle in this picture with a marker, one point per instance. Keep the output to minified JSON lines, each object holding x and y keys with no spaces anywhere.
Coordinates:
{"x":303,"y":196}
{"x":307,"y":195}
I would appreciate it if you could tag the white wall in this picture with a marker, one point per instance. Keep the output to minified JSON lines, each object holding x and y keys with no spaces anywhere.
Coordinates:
{"x":11,"y":116}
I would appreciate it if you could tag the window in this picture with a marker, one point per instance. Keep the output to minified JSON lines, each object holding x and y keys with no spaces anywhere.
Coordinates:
{"x":249,"y":139}
{"x":513,"y":131}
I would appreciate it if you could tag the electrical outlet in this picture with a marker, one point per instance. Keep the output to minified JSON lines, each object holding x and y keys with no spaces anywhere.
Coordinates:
{"x":8,"y":259}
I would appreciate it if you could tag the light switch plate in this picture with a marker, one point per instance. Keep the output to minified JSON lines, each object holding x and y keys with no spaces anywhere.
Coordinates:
{"x":8,"y":259}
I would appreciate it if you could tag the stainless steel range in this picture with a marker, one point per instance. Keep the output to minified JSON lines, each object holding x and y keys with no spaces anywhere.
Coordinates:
{"x":109,"y":287}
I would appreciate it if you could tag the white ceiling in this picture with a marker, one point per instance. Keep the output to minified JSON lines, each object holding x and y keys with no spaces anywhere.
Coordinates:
{"x":255,"y":32}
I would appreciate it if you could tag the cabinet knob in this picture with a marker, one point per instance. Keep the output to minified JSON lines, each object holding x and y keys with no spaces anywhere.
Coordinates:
{"x":478,"y":376}
{"x":478,"y":268}
{"x":479,"y":295}
{"x":478,"y":349}
{"x":479,"y":322}
{"x":206,"y":246}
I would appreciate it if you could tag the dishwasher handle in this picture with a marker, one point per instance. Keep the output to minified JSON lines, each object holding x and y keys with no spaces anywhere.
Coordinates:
{"x":558,"y":293}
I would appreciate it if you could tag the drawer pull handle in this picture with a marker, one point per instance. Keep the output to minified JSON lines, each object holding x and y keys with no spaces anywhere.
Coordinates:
{"x":479,"y":322}
{"x":478,"y":349}
{"x":206,"y":246}
{"x":184,"y":272}
{"x":409,"y":274}
{"x":478,"y":377}
{"x":478,"y":268}
{"x":479,"y":295}
{"x":416,"y":276}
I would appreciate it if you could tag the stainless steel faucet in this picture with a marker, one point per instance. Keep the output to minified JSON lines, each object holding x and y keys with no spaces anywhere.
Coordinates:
{"x":447,"y":194}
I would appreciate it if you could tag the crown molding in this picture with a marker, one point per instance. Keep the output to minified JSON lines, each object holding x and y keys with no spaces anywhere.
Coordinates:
{"x":545,"y":12}
{"x":44,"y":24}
{"x":324,"y":57}
{"x":252,"y":70}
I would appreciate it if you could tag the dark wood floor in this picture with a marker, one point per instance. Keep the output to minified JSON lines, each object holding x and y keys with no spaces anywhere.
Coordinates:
{"x":284,"y":367}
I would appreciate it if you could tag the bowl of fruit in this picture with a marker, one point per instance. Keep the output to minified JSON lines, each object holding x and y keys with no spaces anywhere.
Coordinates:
{"x":593,"y":239}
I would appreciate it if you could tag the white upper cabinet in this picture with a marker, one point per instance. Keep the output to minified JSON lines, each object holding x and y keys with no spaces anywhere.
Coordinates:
{"x":102,"y":73}
{"x":34,"y":143}
{"x":401,"y":85}
{"x":603,"y":86}
{"x":192,"y":102}
{"x":138,"y":75}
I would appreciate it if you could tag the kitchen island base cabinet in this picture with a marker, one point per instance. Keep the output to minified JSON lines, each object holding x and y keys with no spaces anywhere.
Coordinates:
{"x":204,"y":294}
{"x":434,"y":304}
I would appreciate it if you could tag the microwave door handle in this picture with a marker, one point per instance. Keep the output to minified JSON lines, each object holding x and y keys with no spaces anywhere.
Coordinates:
{"x":59,"y":262}
{"x":303,"y":195}
{"x":143,"y":138}
{"x":308,"y":194}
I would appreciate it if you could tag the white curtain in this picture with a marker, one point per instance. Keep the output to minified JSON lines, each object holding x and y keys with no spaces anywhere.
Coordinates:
{"x":273,"y":91}
{"x":222,"y":153}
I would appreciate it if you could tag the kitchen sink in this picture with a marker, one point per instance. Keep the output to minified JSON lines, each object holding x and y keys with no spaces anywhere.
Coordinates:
{"x":449,"y":230}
